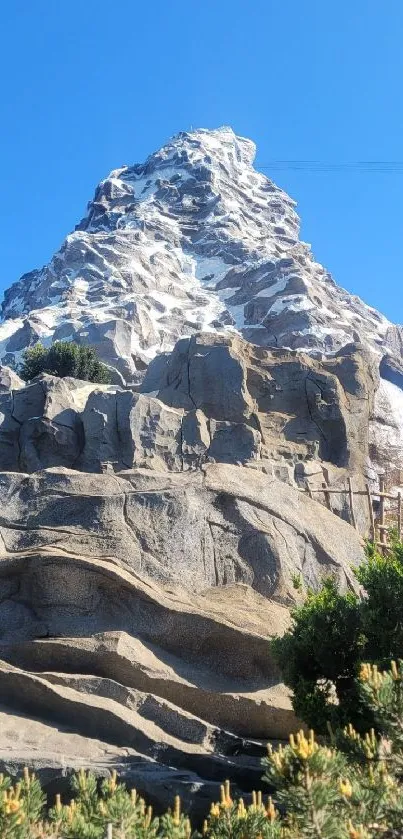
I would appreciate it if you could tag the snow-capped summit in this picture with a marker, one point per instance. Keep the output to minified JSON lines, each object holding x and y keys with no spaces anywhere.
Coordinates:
{"x":193,"y":239}
{"x":148,"y":262}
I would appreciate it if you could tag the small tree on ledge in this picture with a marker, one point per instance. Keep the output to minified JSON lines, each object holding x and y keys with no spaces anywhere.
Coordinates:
{"x":64,"y":358}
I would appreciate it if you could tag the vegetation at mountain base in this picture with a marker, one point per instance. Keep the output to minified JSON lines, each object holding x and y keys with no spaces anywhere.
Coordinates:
{"x":319,"y":790}
{"x":64,"y":358}
{"x":332,"y":633}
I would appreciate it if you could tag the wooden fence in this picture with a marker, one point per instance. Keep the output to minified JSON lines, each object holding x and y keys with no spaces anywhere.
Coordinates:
{"x":381,"y":522}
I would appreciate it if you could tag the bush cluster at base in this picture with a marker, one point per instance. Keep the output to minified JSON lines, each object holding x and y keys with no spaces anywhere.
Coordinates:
{"x":332,"y":633}
{"x":348,"y":787}
{"x":64,"y":358}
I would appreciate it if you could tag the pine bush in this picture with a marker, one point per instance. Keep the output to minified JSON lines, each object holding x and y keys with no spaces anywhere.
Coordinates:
{"x":332,"y":633}
{"x":64,"y":358}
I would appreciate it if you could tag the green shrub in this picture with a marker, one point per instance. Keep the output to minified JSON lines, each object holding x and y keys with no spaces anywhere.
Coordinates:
{"x":332,"y":633}
{"x":382,"y":608}
{"x":356,"y":793}
{"x":64,"y":358}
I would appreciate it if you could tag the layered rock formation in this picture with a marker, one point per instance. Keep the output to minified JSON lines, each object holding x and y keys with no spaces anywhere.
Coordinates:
{"x":212,"y":398}
{"x":136,"y":610}
{"x":150,"y":545}
{"x":161,"y":677}
{"x":151,"y":530}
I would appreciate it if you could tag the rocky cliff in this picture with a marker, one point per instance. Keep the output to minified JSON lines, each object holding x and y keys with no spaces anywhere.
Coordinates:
{"x":151,"y":530}
{"x":150,"y":543}
{"x":196,"y":239}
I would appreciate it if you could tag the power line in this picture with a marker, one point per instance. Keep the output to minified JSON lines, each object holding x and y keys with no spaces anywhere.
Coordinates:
{"x":394,"y":167}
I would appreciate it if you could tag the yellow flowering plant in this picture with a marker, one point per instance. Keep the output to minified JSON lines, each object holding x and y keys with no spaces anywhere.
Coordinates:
{"x":21,"y":805}
{"x":233,"y":819}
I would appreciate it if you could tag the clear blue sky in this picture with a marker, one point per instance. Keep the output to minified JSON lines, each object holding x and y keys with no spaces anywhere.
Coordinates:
{"x":89,"y":85}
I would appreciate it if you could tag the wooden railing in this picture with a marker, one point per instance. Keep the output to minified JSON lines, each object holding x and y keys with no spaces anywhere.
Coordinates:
{"x":381,"y":523}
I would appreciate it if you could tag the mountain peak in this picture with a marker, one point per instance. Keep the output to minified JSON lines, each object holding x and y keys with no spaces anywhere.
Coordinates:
{"x":216,"y":142}
{"x":192,"y":239}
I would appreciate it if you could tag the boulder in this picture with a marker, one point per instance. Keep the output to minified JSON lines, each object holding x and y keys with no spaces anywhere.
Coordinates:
{"x":206,"y":372}
{"x":151,"y":433}
{"x":40,"y":423}
{"x":233,"y":442}
{"x":223,"y":525}
{"x":130,"y":429}
{"x":25,"y":336}
{"x":9,"y":380}
{"x":113,"y":343}
{"x":300,"y":406}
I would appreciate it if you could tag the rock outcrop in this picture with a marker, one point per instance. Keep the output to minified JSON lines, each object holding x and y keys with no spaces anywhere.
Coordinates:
{"x":223,"y":525}
{"x":297,"y":405}
{"x":150,"y":543}
{"x":195,"y":239}
{"x":151,"y":530}
{"x":214,"y":398}
{"x":136,"y":610}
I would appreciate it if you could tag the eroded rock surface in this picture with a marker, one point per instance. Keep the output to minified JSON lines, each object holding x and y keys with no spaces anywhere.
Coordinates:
{"x":214,"y":398}
{"x":296,"y":403}
{"x":136,"y":610}
{"x":222,"y":525}
{"x":151,"y":530}
{"x":171,"y":682}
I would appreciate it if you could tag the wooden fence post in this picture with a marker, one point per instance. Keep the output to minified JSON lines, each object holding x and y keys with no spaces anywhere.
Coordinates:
{"x":327,"y":496}
{"x":380,"y":541}
{"x":109,"y":831}
{"x":350,"y":492}
{"x":371,"y":513}
{"x":382,"y":531}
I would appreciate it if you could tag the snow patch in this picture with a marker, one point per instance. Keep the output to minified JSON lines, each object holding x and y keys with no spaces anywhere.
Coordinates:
{"x":291,"y":303}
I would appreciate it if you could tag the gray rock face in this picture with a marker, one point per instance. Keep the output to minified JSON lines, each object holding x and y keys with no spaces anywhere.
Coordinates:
{"x":224,"y":525}
{"x":130,"y":429}
{"x":151,"y":529}
{"x":195,"y":239}
{"x":296,"y":405}
{"x":142,"y":572}
{"x":215,"y":398}
{"x":40,"y":424}
{"x":9,"y":380}
{"x":386,"y":427}
{"x":136,"y":609}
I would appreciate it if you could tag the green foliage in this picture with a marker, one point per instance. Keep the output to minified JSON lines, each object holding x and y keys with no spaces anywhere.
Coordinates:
{"x":297,"y":582}
{"x":230,"y":819}
{"x":332,"y":633}
{"x":22,"y":813}
{"x":64,"y":358}
{"x":382,"y":609}
{"x":21,"y":806}
{"x":319,"y":656}
{"x":356,"y":793}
